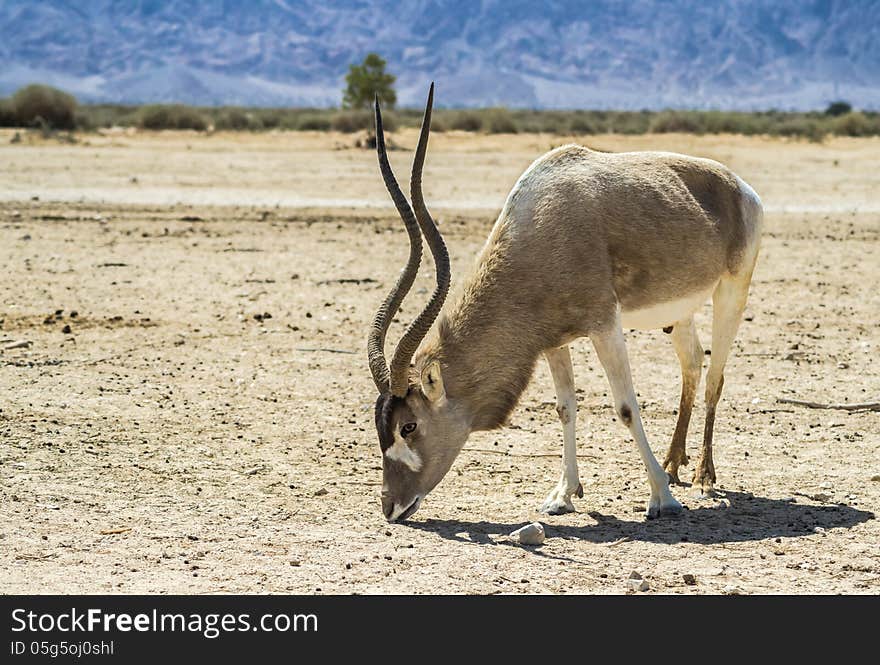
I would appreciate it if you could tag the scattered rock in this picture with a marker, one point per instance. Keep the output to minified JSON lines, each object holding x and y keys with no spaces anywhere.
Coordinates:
{"x":20,"y":344}
{"x":66,"y":330}
{"x":876,"y":478}
{"x":689,"y":579}
{"x":294,"y":562}
{"x":821,"y":496}
{"x":639,"y":585}
{"x":635,"y":575}
{"x":530,"y":534}
{"x":731,"y":590}
{"x":818,"y":529}
{"x":321,"y":492}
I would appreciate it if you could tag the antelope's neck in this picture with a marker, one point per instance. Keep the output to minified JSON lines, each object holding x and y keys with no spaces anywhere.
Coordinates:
{"x":487,"y":352}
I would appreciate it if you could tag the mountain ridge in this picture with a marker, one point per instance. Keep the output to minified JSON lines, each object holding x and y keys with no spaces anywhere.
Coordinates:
{"x":743,"y":54}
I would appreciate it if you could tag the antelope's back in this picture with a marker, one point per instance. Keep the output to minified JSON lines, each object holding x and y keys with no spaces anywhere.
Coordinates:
{"x":664,"y":224}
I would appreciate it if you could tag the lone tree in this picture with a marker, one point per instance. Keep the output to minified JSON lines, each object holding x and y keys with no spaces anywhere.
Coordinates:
{"x":365,"y":81}
{"x":838,"y":108}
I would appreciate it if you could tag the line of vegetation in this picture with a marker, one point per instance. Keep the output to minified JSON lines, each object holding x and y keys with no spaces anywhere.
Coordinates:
{"x":42,"y":107}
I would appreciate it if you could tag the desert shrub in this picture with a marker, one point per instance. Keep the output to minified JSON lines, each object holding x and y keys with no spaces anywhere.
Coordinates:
{"x":628,"y":122}
{"x":83,"y":120}
{"x":7,"y":114}
{"x":499,"y":121}
{"x":581,"y":123}
{"x":270,"y":118}
{"x":42,"y":105}
{"x":355,"y":121}
{"x":171,"y":116}
{"x":800,"y":126}
{"x":855,"y":123}
{"x":466,"y":121}
{"x":721,"y":122}
{"x":236,"y":120}
{"x":94,"y":116}
{"x":553,"y":122}
{"x":315,"y":122}
{"x":675,"y":121}
{"x":438,"y":124}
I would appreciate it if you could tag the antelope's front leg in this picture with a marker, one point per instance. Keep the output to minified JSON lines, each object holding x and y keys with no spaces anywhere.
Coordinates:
{"x":559,"y":500}
{"x":611,"y":349}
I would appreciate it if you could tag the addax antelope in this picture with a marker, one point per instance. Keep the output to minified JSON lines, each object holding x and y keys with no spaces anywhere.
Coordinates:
{"x":588,"y":243}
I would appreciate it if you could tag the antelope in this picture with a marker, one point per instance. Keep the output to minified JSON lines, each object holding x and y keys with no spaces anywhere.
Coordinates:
{"x":587,"y":244}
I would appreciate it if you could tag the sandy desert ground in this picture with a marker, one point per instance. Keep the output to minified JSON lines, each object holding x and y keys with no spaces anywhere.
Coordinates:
{"x":161,"y":433}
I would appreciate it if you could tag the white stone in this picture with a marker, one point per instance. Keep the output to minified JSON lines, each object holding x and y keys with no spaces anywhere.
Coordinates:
{"x":530,"y":534}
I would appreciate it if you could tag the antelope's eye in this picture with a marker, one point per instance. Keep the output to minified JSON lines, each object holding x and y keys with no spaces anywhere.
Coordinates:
{"x":407,"y":429}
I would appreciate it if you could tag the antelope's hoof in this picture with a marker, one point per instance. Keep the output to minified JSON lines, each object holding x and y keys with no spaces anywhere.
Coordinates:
{"x":558,"y":503}
{"x":669,"y":509}
{"x":704,"y":484}
{"x":704,"y":491}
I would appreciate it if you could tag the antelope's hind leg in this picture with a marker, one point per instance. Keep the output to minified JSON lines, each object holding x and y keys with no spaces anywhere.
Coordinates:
{"x":690,"y":355}
{"x":559,"y":500}
{"x":611,"y":349}
{"x":728,"y":304}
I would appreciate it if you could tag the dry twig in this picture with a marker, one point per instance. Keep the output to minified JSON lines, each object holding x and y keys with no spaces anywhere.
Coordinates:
{"x":864,"y":406}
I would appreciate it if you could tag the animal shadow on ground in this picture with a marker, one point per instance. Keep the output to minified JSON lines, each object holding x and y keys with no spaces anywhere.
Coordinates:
{"x":749,"y":518}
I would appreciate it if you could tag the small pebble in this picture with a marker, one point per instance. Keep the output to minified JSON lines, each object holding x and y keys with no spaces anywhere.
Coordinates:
{"x":530,"y":534}
{"x":689,"y":579}
{"x":66,"y":330}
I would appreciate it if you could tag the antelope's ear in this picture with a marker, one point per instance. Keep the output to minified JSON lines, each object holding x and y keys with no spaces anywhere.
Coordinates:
{"x":432,"y":382}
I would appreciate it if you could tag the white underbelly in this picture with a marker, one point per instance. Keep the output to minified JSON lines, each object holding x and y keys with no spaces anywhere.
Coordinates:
{"x":666,"y":313}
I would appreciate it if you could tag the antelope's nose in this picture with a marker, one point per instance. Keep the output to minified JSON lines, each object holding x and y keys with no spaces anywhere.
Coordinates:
{"x":387,"y":506}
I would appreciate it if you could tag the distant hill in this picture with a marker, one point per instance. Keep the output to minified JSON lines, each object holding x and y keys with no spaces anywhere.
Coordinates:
{"x":739,"y":54}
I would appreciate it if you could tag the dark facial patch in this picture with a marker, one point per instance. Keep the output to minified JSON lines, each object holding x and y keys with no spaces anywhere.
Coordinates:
{"x":385,"y":406}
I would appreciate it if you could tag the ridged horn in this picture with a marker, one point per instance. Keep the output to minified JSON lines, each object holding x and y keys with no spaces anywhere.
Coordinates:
{"x":419,"y":328}
{"x":376,"y":340}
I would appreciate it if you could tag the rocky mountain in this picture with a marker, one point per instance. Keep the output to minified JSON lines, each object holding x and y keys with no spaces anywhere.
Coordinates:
{"x":746,"y":54}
